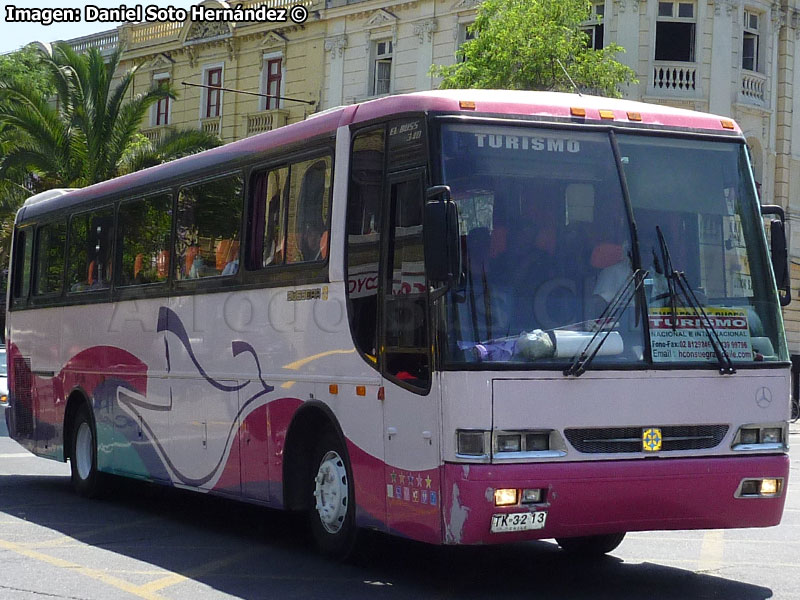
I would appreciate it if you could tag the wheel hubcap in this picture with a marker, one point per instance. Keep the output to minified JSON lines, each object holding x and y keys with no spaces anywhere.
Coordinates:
{"x":83,"y":450}
{"x":331,"y":492}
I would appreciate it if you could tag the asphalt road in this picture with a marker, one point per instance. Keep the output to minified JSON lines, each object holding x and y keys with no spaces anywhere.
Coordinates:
{"x":142,"y":542}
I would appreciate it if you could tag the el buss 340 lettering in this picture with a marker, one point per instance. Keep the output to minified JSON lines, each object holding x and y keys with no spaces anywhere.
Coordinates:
{"x":151,"y":362}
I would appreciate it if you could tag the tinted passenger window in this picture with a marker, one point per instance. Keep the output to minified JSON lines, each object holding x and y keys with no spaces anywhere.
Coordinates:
{"x":144,"y":233}
{"x":309,"y":210}
{"x":51,"y":242}
{"x":267,"y":211}
{"x":89,"y":254}
{"x":22,"y":263}
{"x":209,"y":218}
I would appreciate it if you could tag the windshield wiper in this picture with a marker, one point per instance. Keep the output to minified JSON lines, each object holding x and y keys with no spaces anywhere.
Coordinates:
{"x":608,"y":320}
{"x":677,"y":279}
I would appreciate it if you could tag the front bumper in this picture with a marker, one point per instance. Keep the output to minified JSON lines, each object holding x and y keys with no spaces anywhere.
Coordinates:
{"x":593,"y":498}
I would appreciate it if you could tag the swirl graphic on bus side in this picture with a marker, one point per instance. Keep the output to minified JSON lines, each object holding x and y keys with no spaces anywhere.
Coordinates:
{"x":146,"y":410}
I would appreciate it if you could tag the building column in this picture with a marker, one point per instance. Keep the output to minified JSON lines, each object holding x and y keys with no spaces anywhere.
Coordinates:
{"x":627,"y":35}
{"x":722,"y":68}
{"x":424,"y":31}
{"x":336,"y":45}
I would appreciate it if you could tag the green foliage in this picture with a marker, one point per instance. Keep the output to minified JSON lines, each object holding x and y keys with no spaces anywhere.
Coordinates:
{"x":26,"y":65}
{"x":518,"y":45}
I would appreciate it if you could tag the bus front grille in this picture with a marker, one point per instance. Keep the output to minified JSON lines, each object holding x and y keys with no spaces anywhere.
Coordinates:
{"x":629,"y":439}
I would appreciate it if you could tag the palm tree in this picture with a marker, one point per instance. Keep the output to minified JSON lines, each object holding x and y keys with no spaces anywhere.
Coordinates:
{"x":90,"y":133}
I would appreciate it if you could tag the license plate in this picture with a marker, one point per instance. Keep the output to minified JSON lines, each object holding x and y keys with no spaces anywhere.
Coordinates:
{"x":518,"y":521}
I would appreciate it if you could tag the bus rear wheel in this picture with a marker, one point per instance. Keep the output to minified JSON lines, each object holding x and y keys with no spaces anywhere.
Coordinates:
{"x":83,"y":455}
{"x":332,"y":514}
{"x":592,"y":545}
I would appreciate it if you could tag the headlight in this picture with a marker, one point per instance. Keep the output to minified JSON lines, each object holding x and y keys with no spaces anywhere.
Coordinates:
{"x":509,"y":442}
{"x":471,"y":442}
{"x":749,"y":436}
{"x":767,"y":436}
{"x":537,"y":442}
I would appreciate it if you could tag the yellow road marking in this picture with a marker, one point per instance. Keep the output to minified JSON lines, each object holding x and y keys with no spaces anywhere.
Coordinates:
{"x":96,"y":574}
{"x":198,"y":571}
{"x":711,"y":551}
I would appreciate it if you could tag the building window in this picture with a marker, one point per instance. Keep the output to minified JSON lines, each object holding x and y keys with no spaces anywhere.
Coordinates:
{"x":161,"y":116}
{"x":675,"y":31}
{"x":750,"y":49}
{"x":465,"y":34}
{"x":272,"y":80}
{"x":382,"y":67}
{"x":594,"y":26}
{"x":213,"y":96}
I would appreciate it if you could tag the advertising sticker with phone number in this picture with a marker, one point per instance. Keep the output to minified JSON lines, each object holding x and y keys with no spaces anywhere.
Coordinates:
{"x":688,"y":340}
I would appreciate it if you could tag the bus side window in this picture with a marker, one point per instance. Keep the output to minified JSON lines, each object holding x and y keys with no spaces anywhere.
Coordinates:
{"x":89,"y":253}
{"x":51,"y":241}
{"x":266,"y":219}
{"x":364,"y":220}
{"x":144,"y":231}
{"x":309,"y":209}
{"x":209,"y":218}
{"x":22,"y":264}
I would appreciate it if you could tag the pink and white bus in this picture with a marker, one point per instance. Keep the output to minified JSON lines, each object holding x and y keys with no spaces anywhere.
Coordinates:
{"x":462,"y":317}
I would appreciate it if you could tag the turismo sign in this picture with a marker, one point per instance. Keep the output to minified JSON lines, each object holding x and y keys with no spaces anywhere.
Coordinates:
{"x":688,"y":340}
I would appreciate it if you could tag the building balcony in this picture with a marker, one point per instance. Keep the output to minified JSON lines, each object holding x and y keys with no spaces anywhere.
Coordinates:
{"x":210,"y":125}
{"x":157,"y":133}
{"x":265,"y":120}
{"x":105,"y":41}
{"x":674,"y":79}
{"x":753,"y":90}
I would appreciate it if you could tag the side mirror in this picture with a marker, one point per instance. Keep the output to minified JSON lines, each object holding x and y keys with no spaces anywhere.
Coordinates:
{"x":779,"y":253}
{"x":441,"y":236}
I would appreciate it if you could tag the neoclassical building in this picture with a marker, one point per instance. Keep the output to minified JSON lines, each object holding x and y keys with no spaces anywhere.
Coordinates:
{"x":731,"y":57}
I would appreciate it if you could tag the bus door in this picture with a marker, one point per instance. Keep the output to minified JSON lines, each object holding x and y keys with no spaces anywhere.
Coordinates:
{"x":411,"y":398}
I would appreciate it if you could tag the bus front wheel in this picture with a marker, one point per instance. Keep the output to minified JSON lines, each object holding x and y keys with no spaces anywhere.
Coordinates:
{"x":83,"y":454}
{"x":593,"y":545}
{"x":332,"y":514}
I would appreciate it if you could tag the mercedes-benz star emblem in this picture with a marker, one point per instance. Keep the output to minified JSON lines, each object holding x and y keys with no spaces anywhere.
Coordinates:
{"x":763,"y":397}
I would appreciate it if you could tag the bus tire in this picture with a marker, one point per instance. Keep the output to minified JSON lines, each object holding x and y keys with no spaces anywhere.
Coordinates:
{"x":332,"y":511}
{"x":83,"y":454}
{"x":592,"y":545}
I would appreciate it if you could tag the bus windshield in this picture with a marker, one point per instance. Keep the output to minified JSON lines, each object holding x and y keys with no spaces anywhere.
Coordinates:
{"x":547,"y":245}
